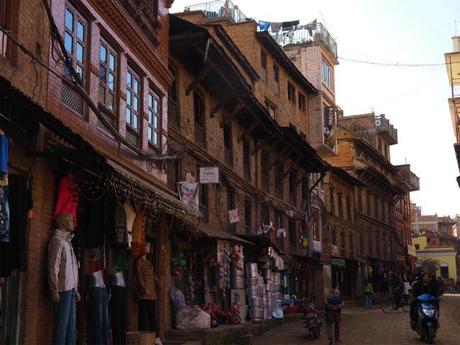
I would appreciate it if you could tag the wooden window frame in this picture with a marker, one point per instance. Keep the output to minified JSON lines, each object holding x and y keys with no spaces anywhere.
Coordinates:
{"x":263,"y":65}
{"x":130,"y":96}
{"x":291,"y":91}
{"x":153,"y":113}
{"x":276,"y":79}
{"x":248,"y":216}
{"x":247,"y":158}
{"x":302,"y":104}
{"x":77,"y":17}
{"x":103,"y":83}
{"x":200,"y":138}
{"x":293,"y":187}
{"x":265,"y":170}
{"x":228,"y":142}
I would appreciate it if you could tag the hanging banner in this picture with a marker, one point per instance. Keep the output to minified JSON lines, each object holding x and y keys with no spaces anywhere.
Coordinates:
{"x":188,"y":194}
{"x":209,"y":175}
{"x":234,"y":216}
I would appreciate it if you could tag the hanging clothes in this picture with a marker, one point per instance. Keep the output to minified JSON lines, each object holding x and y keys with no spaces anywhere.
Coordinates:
{"x":276,"y":26}
{"x":130,"y":218}
{"x":4,"y":154}
{"x":290,"y":25}
{"x":67,"y":200}
{"x":4,"y":215}
{"x":120,"y":235}
{"x":264,"y":26}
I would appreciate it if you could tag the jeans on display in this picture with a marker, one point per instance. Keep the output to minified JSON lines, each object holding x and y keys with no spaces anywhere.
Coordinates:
{"x":4,"y":215}
{"x":368,"y":301}
{"x":98,"y":315}
{"x":65,"y":314}
{"x":147,"y":320}
{"x":119,"y":309}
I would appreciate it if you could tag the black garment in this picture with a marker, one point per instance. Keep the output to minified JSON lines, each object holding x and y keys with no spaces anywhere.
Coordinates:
{"x":289,"y":25}
{"x":92,"y":223}
{"x":147,"y":320}
{"x":419,"y":289}
{"x":13,"y":255}
{"x":119,"y":310}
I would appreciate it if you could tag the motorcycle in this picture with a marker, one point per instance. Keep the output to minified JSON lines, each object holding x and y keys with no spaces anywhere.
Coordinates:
{"x":427,"y":317}
{"x":312,"y":321}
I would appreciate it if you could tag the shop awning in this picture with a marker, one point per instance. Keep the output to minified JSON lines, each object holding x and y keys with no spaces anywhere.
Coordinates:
{"x":161,"y":197}
{"x":213,"y":232}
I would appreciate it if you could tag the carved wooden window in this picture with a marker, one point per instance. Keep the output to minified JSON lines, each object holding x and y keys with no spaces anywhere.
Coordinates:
{"x":75,"y":41}
{"x":5,"y":16}
{"x":276,"y":79}
{"x":263,"y":65}
{"x":291,"y":92}
{"x":153,"y":119}
{"x":302,"y":105}
{"x":133,"y":100}
{"x":107,"y":76}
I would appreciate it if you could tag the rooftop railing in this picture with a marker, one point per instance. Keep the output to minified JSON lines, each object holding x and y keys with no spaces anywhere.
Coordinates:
{"x":218,"y":10}
{"x":308,"y":33}
{"x":382,"y":124}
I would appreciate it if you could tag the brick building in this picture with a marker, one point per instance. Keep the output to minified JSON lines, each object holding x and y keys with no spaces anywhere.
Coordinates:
{"x":253,"y":129}
{"x":363,"y":150}
{"x":339,"y":188}
{"x":84,"y":90}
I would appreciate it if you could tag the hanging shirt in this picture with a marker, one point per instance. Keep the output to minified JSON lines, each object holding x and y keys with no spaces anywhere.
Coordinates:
{"x":4,"y":154}
{"x":67,"y":200}
{"x":130,"y":217}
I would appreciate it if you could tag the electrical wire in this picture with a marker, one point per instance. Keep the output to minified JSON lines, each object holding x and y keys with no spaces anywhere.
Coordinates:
{"x":397,"y":64}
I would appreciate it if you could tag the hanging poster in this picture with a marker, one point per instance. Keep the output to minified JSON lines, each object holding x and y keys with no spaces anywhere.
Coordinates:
{"x":234,"y":216}
{"x":188,"y":194}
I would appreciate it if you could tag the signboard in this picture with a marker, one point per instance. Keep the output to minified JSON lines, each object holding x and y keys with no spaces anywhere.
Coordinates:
{"x":234,"y":216}
{"x":188,"y":194}
{"x":316,"y":246}
{"x":411,"y":250}
{"x":209,"y":175}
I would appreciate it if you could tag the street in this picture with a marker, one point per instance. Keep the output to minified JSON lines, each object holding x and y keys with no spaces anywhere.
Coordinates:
{"x":361,"y":327}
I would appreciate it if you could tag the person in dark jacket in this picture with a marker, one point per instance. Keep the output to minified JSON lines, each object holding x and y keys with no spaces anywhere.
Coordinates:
{"x":426,"y":285}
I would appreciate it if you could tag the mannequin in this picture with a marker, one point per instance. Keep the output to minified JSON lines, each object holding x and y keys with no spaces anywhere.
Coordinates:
{"x":118,"y":300}
{"x":147,"y":283}
{"x":97,"y":299}
{"x":63,"y":279}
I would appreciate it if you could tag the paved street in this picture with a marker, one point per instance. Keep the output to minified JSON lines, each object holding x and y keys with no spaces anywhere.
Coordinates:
{"x":361,"y":327}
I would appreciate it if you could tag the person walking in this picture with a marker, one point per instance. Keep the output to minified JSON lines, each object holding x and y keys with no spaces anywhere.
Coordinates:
{"x":368,"y":291}
{"x":333,"y":308}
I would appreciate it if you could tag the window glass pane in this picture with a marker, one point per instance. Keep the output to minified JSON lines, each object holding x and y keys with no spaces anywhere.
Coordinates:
{"x":128,"y":97}
{"x":155,"y":121}
{"x":128,"y":80}
{"x":110,"y":101}
{"x":103,"y":53}
{"x":128,"y":115}
{"x":101,"y":94}
{"x":135,"y":85}
{"x":135,"y":103}
{"x":150,"y":101}
{"x":149,"y":134}
{"x":155,"y":106}
{"x":155,"y":138}
{"x":68,"y":43}
{"x":102,"y":73}
{"x":135,"y":121}
{"x":79,"y":52}
{"x":80,"y":31}
{"x":111,"y":82}
{"x":80,"y":71}
{"x":69,"y":19}
{"x":112,"y":62}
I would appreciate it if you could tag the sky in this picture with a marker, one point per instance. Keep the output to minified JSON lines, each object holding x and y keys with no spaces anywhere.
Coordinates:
{"x":415,"y":99}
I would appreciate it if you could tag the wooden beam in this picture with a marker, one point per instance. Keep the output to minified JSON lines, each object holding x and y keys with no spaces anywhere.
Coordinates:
{"x":227,"y":97}
{"x":236,"y":110}
{"x":281,"y":155}
{"x":247,"y":131}
{"x":198,"y":78}
{"x":301,"y":179}
{"x":292,"y":167}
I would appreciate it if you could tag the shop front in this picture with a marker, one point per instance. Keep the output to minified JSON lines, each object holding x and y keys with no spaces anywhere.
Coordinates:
{"x":114,"y":228}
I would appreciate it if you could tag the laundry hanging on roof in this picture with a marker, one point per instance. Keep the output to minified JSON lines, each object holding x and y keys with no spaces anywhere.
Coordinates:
{"x":264,"y":26}
{"x":276,"y":26}
{"x":289,"y":25}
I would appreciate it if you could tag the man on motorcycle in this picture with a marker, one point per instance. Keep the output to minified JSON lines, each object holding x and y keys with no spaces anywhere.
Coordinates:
{"x":426,"y":285}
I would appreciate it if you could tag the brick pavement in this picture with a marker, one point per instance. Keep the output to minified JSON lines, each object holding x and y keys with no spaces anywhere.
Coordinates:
{"x":363,"y":327}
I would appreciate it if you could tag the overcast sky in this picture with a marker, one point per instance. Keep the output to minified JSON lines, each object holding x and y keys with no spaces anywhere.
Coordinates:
{"x":413,"y":98}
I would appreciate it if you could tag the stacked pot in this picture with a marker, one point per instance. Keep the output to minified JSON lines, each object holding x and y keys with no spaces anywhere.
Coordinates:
{"x":255,"y":292}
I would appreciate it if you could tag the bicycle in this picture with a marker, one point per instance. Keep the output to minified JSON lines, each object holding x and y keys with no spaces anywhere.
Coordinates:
{"x":388,"y":304}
